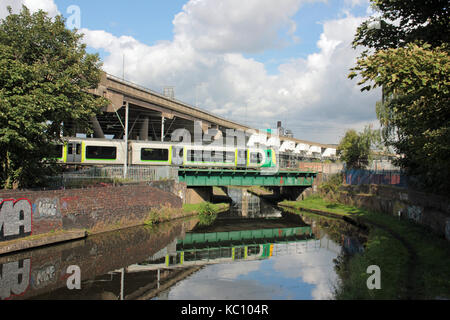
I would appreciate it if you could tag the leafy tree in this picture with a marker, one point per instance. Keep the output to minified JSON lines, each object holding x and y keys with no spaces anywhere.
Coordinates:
{"x":355,"y":148}
{"x":45,"y":74}
{"x":399,"y":23}
{"x":410,"y":62}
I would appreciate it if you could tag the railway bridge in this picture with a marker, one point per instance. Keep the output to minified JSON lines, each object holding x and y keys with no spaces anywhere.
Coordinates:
{"x":245,"y":178}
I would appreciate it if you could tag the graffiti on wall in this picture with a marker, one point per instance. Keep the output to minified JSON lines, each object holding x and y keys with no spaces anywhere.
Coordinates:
{"x":46,"y":209}
{"x":44,"y":276}
{"x":415,"y":213}
{"x":14,"y":278}
{"x":15,"y":219}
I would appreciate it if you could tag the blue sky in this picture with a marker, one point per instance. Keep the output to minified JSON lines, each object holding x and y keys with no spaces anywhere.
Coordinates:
{"x":147,"y":21}
{"x":253,"y":61}
{"x":152,"y":21}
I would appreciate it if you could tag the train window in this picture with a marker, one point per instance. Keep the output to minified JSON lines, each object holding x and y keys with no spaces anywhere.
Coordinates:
{"x":194,"y":155}
{"x":255,"y":158}
{"x":78,"y":149}
{"x":230,"y":157}
{"x":207,"y":156}
{"x":242,"y":158}
{"x":57,"y":151}
{"x":148,"y":154}
{"x":70,"y":151}
{"x":217,"y":156}
{"x":101,"y":153}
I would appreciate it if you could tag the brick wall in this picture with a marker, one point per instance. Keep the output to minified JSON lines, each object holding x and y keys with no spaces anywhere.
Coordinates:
{"x":429,"y":210}
{"x":25,"y":213}
{"x":44,"y":270}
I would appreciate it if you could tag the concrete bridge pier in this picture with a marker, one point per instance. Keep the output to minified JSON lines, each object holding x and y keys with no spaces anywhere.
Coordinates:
{"x":291,"y":193}
{"x":199,"y":194}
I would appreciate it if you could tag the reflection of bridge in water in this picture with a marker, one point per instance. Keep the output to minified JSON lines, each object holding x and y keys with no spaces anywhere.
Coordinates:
{"x":142,"y":264}
{"x":198,"y":249}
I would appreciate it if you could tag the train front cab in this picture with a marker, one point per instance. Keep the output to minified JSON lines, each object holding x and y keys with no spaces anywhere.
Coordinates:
{"x":92,"y":152}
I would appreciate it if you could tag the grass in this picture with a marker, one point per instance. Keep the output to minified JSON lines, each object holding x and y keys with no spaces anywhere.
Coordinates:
{"x":318,"y":204}
{"x":207,"y":212}
{"x":414,"y":262}
{"x":205,"y":208}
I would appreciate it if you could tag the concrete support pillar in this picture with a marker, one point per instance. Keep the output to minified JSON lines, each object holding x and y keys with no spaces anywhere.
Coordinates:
{"x":98,"y":131}
{"x":143,"y":133}
{"x":163,"y":120}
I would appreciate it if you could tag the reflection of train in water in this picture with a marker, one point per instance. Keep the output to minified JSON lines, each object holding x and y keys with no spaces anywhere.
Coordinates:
{"x":232,"y":246}
{"x":78,"y":151}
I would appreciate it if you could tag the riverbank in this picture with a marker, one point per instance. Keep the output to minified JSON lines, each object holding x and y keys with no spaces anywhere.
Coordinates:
{"x":36,"y":218}
{"x":41,"y":241}
{"x":413,"y":260}
{"x":203,"y":211}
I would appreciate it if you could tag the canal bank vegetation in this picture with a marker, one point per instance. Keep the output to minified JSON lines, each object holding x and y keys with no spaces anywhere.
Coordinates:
{"x":413,"y":261}
{"x":205,"y":211}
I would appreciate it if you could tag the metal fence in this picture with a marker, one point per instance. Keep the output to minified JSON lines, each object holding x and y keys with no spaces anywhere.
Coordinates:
{"x":112,"y":174}
{"x":359,"y":177}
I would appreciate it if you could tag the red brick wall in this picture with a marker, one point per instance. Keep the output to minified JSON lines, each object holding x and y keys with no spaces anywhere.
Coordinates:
{"x":92,"y":208}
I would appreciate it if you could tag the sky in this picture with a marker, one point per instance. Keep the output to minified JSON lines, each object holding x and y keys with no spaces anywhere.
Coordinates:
{"x":254,"y":61}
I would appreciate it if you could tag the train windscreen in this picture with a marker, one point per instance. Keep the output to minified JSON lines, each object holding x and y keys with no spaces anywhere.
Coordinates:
{"x":256,"y":158}
{"x":57,"y":151}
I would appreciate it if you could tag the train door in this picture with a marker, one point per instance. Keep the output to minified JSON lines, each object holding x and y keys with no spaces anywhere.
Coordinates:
{"x":177,"y":155}
{"x":74,"y":152}
{"x":241,"y":160}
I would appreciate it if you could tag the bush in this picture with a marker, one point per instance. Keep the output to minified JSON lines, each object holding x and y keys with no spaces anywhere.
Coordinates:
{"x":332,"y":184}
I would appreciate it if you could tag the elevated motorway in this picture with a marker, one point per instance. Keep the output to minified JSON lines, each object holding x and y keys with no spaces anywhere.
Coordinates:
{"x":153,"y":116}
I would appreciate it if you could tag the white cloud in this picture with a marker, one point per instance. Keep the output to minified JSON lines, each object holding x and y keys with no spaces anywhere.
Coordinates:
{"x":205,"y":63}
{"x":34,"y":5}
{"x":315,"y":268}
{"x":313,"y":93}
{"x":235,"y":25}
{"x":46,"y":5}
{"x":354,"y":3}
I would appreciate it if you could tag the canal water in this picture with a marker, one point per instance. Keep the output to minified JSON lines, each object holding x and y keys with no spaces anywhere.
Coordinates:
{"x":255,"y":251}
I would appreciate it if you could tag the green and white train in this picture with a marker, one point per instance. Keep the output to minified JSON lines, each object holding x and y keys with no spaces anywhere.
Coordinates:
{"x":92,"y":152}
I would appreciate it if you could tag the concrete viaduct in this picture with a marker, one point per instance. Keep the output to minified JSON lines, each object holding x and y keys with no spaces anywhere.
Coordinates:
{"x":153,"y":116}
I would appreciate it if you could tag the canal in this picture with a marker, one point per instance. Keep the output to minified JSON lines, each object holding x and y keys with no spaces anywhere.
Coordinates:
{"x":255,"y":251}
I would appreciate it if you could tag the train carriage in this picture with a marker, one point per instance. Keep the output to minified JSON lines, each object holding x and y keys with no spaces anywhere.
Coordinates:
{"x":200,"y":156}
{"x":78,"y":151}
{"x":148,"y":153}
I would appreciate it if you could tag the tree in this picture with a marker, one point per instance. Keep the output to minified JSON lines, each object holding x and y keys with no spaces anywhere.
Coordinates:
{"x":355,"y":148}
{"x":399,"y":23}
{"x":410,"y":62}
{"x":45,"y":74}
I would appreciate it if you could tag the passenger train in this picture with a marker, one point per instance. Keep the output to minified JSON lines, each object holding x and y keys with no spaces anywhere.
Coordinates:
{"x":92,"y":152}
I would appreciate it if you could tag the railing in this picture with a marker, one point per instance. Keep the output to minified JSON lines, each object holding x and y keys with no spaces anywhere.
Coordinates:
{"x":112,"y":174}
